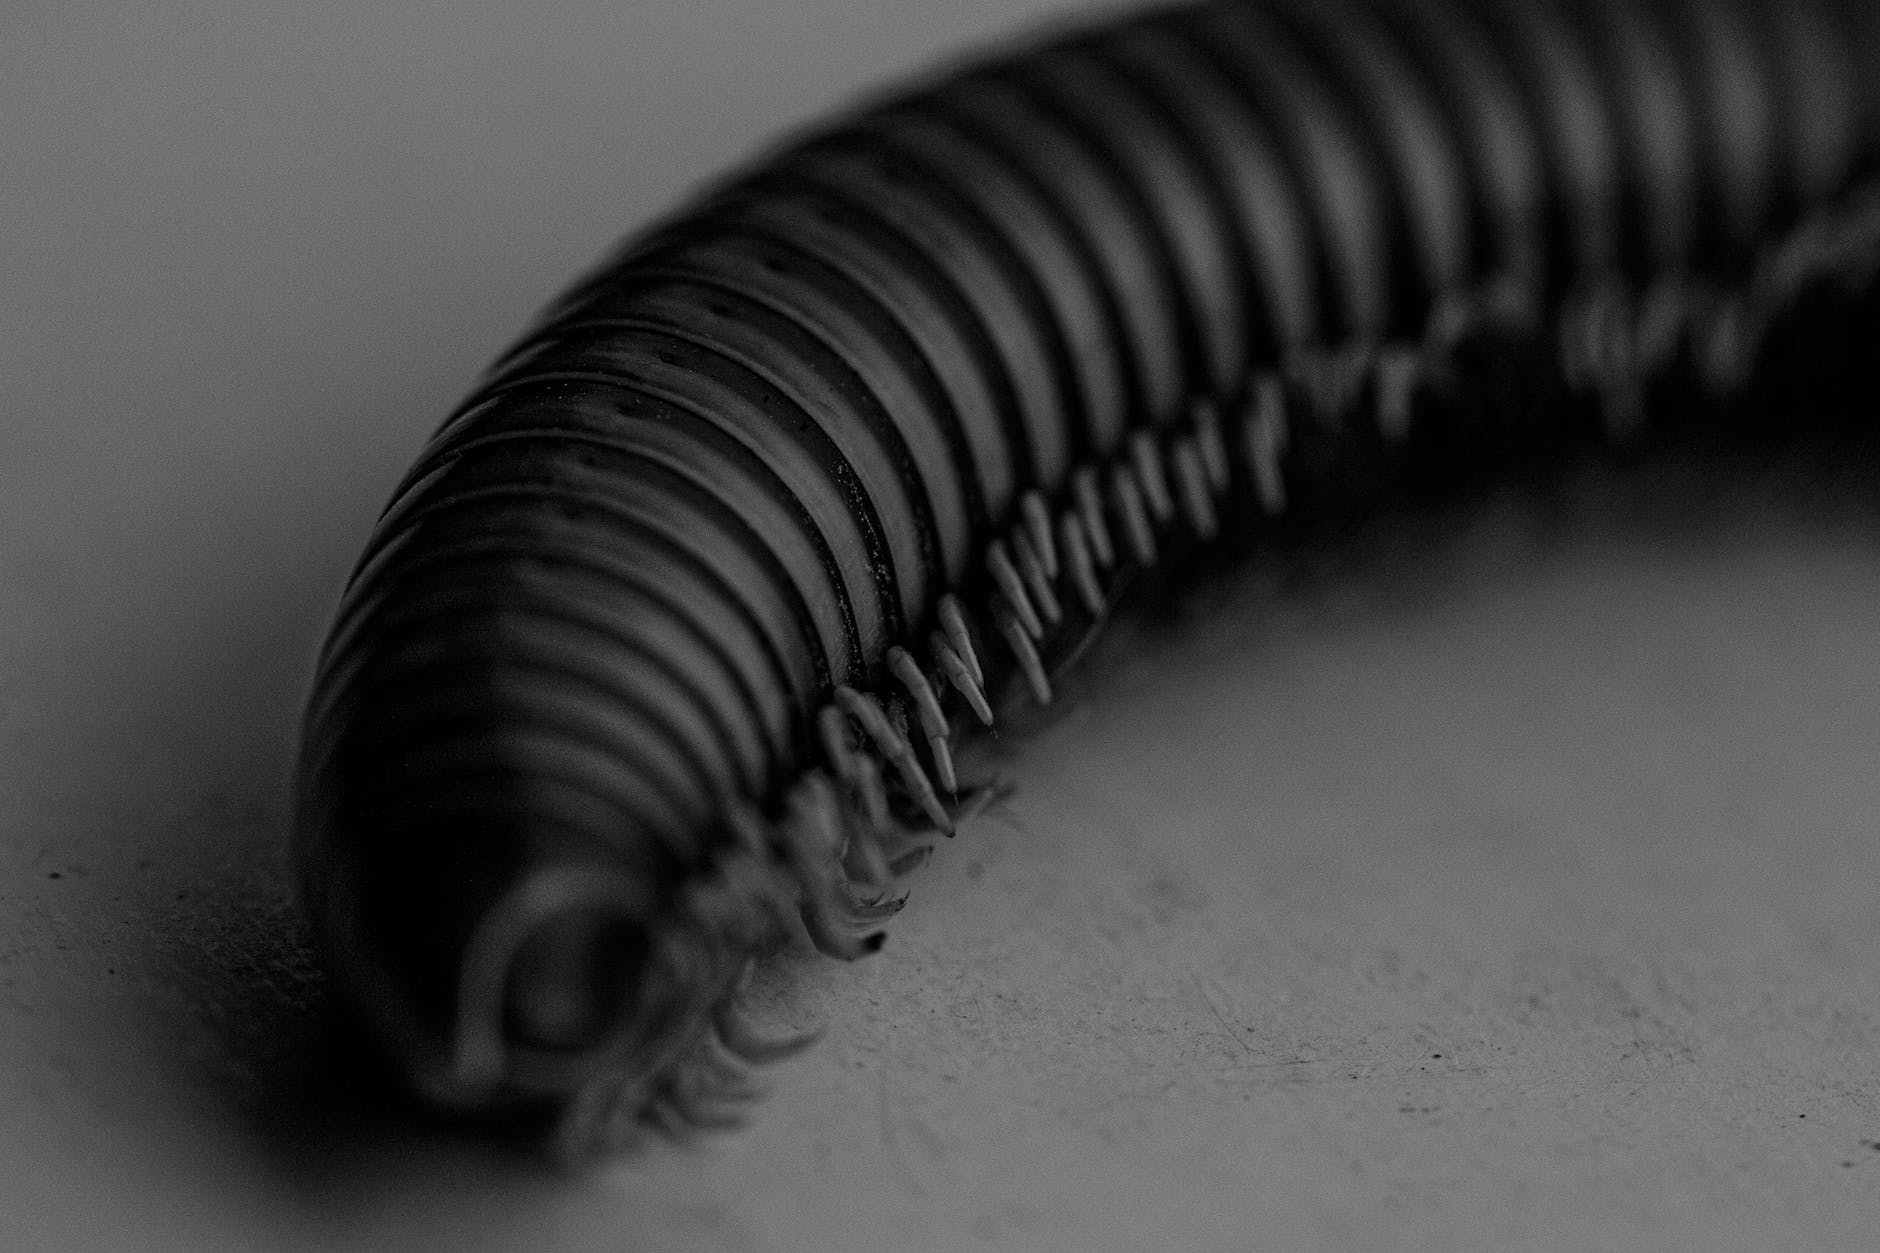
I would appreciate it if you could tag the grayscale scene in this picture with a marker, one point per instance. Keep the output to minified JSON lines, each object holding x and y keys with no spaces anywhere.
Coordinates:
{"x":826,"y":625}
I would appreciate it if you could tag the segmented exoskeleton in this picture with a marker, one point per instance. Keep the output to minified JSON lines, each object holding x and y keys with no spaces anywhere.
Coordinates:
{"x":665,"y":642}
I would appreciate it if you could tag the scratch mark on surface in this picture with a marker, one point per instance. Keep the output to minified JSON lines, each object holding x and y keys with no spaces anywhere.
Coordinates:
{"x":1220,"y":1016}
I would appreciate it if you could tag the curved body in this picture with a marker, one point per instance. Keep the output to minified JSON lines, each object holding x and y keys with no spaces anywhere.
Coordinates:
{"x":663,"y":642}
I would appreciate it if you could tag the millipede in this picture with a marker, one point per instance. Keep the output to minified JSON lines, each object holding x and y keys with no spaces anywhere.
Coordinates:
{"x":662,"y":653}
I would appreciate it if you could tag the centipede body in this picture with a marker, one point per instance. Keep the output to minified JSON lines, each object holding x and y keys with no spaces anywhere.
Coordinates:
{"x":662,"y":648}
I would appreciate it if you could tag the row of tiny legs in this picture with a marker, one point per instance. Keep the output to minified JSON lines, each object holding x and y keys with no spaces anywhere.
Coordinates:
{"x":889,"y":779}
{"x":849,"y":829}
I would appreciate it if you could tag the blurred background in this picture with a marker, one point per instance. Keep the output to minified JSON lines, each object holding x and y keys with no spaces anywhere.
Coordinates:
{"x":1508,"y":883}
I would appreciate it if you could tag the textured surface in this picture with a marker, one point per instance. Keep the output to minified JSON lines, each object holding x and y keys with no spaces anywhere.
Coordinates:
{"x":1590,"y":816}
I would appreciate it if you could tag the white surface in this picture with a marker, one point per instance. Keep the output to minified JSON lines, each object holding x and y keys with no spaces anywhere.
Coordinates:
{"x":1590,"y":817}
